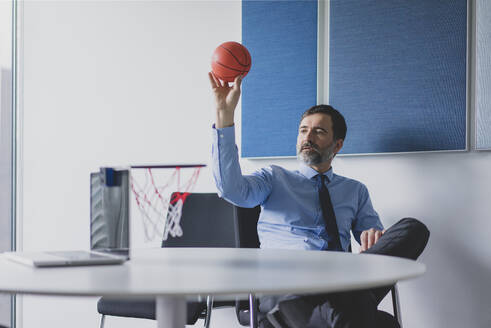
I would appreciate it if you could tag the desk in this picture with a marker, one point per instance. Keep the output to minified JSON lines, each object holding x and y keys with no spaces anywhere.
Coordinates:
{"x":173,"y":275}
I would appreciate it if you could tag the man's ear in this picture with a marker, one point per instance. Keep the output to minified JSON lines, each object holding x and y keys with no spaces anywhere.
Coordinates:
{"x":339,"y":145}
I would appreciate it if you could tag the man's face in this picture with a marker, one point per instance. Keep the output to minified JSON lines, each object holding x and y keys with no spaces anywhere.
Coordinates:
{"x":315,"y":141}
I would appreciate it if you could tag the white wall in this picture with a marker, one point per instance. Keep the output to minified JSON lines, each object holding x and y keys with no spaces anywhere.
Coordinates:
{"x":123,"y":82}
{"x":450,"y":193}
{"x":107,"y":83}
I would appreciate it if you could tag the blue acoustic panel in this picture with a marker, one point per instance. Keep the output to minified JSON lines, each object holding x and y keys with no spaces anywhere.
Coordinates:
{"x":282,"y":39}
{"x":397,"y":72}
{"x":483,"y":74}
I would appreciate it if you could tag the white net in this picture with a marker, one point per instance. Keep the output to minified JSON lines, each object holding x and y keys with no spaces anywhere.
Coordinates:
{"x":159,"y":199}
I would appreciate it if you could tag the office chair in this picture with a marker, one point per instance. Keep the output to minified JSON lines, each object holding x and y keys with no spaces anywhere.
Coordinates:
{"x":246,"y":236}
{"x":207,"y":221}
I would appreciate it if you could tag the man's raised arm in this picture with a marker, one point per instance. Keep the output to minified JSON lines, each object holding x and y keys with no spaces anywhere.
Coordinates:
{"x":245,"y":191}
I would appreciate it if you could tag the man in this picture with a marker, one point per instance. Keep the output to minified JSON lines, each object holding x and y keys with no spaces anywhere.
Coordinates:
{"x":311,"y":208}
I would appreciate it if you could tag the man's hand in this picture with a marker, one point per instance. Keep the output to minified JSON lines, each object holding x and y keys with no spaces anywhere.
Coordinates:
{"x":226,"y":99}
{"x":369,"y":237}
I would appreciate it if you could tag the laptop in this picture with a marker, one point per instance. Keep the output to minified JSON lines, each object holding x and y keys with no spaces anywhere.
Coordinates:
{"x":109,"y":226}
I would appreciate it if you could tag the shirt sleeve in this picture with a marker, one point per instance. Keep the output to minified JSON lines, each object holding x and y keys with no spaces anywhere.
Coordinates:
{"x":241,"y":190}
{"x":366,"y":217}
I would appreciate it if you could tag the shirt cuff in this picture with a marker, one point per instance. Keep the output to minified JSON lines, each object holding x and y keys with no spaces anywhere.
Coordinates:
{"x":224,"y":135}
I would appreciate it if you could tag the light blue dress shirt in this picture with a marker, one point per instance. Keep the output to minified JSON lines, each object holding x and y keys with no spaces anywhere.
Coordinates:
{"x":291,"y":216}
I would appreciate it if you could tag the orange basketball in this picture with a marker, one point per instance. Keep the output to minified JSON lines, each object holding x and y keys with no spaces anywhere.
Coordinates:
{"x":229,"y":60}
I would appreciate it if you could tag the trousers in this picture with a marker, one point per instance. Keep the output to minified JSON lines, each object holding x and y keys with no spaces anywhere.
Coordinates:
{"x":355,"y":309}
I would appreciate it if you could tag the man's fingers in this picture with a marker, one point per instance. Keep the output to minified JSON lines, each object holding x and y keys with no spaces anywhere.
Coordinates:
{"x":237,"y":82}
{"x":364,"y":241}
{"x":369,"y":237}
{"x":378,"y":234}
{"x":218,"y":81}
{"x":213,"y":81}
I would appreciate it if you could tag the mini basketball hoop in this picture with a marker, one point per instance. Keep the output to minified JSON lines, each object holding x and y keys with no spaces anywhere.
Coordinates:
{"x":159,"y":198}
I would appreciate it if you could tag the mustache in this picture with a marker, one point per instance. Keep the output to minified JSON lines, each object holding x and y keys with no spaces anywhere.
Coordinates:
{"x":309,"y":144}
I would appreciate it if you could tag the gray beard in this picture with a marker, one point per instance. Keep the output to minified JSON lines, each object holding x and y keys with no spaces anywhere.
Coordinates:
{"x":316,"y":157}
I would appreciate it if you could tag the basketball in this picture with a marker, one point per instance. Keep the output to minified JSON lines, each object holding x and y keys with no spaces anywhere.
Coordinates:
{"x":229,"y":60}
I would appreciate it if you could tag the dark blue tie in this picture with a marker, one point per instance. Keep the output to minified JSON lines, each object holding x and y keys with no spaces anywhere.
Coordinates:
{"x":334,"y":242}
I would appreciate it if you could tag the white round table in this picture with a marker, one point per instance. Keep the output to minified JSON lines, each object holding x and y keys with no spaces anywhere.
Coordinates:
{"x":173,"y":275}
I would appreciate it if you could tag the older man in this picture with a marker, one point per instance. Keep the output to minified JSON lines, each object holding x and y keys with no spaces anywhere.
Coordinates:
{"x":310,"y":208}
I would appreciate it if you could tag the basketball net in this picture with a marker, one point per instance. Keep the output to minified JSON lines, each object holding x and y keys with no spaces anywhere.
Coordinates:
{"x":160,"y":207}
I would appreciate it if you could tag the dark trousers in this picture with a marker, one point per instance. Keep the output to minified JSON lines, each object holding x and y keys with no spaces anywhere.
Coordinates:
{"x":357,"y":309}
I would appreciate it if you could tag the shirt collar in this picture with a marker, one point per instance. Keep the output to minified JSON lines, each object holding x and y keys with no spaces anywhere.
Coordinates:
{"x":310,"y":173}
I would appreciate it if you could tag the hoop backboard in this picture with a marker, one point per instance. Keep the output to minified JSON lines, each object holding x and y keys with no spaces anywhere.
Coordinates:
{"x":109,"y":210}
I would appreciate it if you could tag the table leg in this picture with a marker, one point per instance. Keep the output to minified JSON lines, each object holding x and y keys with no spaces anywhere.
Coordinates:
{"x":252,"y":311}
{"x":170,"y":312}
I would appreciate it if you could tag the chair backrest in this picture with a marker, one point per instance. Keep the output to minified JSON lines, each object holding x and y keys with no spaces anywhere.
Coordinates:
{"x":206,"y":221}
{"x":246,"y":232}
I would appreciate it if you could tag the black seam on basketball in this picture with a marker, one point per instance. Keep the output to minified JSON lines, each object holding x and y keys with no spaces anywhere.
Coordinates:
{"x":236,"y":59}
{"x":233,"y":69}
{"x":244,"y":50}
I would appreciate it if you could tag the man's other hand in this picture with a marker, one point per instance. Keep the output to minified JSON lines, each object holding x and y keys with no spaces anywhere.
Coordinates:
{"x":226,"y":99}
{"x":369,"y":237}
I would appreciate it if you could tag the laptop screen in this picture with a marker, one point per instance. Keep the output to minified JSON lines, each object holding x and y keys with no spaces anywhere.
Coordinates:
{"x":109,"y":210}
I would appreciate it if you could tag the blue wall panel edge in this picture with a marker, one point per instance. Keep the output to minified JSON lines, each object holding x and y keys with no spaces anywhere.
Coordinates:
{"x":483,"y":75}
